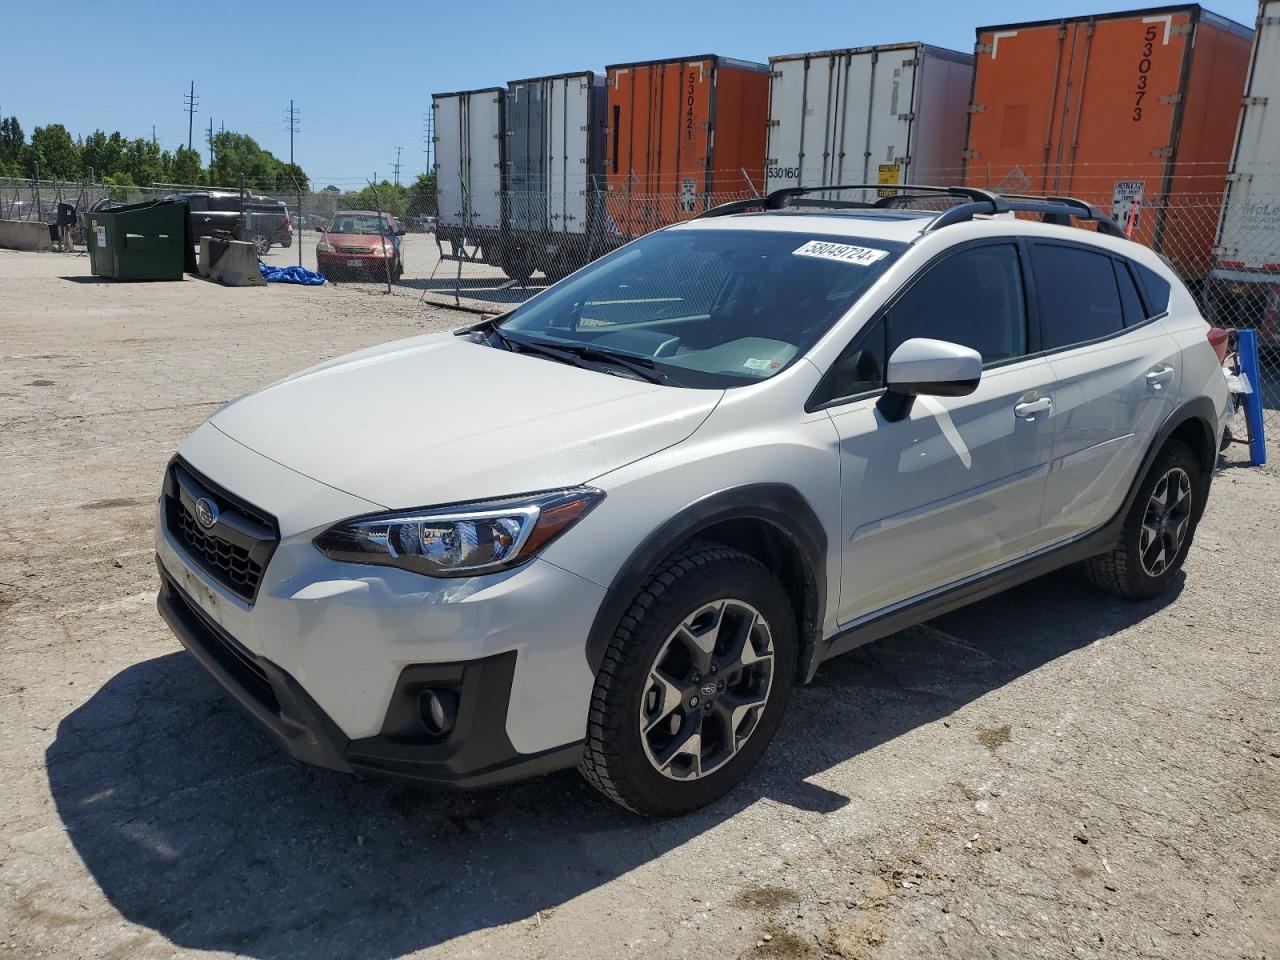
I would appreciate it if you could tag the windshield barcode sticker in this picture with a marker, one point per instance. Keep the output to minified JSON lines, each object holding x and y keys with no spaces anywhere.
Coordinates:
{"x":845,"y":253}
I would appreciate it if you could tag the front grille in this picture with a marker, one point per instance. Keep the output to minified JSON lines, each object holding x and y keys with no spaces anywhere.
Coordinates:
{"x":233,"y":551}
{"x":364,"y":250}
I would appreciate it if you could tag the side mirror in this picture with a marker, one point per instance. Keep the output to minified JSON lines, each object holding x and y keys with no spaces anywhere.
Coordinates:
{"x":931,"y":368}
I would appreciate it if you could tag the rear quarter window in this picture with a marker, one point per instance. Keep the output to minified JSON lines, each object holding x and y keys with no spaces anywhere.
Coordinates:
{"x":1134,"y":311}
{"x":1156,"y":289}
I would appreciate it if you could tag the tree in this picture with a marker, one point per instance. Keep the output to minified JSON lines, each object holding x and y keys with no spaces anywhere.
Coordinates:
{"x":13,"y":144}
{"x":422,"y":196}
{"x":292,"y":179}
{"x":142,"y":162}
{"x":236,"y":156}
{"x":102,"y":154}
{"x":186,"y":167}
{"x":55,"y":151}
{"x":389,"y":198}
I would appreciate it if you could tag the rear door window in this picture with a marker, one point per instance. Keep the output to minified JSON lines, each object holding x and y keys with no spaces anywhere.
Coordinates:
{"x":1077,"y":294}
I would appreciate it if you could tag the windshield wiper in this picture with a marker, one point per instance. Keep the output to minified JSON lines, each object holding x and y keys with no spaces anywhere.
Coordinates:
{"x":576,"y":353}
{"x":640,"y":365}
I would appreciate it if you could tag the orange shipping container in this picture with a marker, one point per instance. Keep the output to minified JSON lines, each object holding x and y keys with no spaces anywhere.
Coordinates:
{"x":683,"y":135}
{"x":1134,"y":112}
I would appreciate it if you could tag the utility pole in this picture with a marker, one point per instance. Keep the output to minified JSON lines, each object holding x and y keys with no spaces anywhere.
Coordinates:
{"x":291,"y":120}
{"x":396,"y":175}
{"x":211,"y":143}
{"x":153,"y":134}
{"x":192,"y":100}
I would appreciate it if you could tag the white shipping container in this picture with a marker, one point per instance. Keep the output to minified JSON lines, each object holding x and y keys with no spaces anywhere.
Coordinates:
{"x":469,"y":154}
{"x":554,"y":152}
{"x":1248,"y":247}
{"x":886,"y":114}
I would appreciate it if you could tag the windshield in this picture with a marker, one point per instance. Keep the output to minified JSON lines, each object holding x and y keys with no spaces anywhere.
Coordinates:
{"x":711,"y":308}
{"x":357,"y":224}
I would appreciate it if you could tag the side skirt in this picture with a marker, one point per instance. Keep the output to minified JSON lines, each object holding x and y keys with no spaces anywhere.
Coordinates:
{"x":971,"y":591}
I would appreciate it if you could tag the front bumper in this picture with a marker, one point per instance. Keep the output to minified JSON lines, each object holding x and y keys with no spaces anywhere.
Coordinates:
{"x":476,"y":752}
{"x":334,"y":645}
{"x":354,"y":262}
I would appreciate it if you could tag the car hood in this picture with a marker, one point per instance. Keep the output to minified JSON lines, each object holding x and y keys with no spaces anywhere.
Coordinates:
{"x":439,"y":419}
{"x":365,"y":241}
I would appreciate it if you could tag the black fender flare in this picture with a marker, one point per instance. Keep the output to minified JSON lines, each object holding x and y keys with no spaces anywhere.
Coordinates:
{"x":1198,"y":410}
{"x":779,"y":505}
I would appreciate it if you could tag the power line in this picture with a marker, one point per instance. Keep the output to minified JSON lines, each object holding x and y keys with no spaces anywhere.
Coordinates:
{"x":191,"y":100}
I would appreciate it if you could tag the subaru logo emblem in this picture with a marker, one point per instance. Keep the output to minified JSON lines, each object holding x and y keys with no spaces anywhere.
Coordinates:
{"x":708,"y":689}
{"x":206,"y":512}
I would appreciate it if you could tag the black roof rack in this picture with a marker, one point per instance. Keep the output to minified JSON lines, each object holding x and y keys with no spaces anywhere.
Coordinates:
{"x":978,"y":202}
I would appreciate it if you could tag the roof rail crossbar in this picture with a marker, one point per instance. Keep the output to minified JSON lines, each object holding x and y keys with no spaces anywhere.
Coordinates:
{"x":1080,"y":209}
{"x":1059,"y":210}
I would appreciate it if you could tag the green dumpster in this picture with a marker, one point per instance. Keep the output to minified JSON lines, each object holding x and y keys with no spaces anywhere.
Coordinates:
{"x":141,"y":241}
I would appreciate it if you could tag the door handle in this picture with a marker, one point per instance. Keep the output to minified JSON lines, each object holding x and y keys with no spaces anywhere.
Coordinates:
{"x":1159,"y":376}
{"x":1030,"y":408}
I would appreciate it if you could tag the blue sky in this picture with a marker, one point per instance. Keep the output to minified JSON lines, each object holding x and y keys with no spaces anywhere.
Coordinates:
{"x":362,"y":74}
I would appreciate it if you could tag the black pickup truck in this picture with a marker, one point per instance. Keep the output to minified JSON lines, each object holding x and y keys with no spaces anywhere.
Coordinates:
{"x":263,"y":221}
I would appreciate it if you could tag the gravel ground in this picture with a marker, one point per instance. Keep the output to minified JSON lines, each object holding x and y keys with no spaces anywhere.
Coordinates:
{"x":1050,"y":773}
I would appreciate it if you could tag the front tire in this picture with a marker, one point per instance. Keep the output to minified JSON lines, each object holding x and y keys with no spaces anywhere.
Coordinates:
{"x":693,"y":685}
{"x":1158,"y":530}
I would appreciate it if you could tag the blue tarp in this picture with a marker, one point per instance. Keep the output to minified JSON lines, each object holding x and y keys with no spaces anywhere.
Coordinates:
{"x":290,"y":275}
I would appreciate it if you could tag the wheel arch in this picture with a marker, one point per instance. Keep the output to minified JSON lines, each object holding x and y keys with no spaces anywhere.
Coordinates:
{"x":1192,"y":424}
{"x":773,"y":523}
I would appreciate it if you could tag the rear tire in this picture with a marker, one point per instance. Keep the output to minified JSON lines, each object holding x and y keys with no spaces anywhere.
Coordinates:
{"x":708,"y":617}
{"x":1158,"y":530}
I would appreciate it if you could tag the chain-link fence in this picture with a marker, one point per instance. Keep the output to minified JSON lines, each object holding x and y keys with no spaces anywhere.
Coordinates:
{"x":488,"y":248}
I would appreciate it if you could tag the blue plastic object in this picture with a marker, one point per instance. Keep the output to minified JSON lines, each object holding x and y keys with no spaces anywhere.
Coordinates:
{"x":1247,"y":351}
{"x":293,"y":274}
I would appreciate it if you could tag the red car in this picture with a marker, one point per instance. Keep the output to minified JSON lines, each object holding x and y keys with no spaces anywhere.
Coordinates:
{"x":360,"y":244}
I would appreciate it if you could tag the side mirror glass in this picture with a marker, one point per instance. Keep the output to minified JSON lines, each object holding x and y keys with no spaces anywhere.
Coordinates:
{"x":924,"y":367}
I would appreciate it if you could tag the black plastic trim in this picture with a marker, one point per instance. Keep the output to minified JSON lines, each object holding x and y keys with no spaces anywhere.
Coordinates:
{"x":1082,"y":548}
{"x":476,"y":752}
{"x":779,"y":505}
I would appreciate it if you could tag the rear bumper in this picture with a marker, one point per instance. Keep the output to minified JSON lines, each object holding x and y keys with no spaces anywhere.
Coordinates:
{"x":477,"y":751}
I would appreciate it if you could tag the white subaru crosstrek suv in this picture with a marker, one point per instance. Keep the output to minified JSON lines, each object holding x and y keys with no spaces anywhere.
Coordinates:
{"x":614,"y":527}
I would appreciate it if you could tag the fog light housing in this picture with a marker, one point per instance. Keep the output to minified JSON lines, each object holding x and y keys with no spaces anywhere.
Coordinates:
{"x":439,"y":710}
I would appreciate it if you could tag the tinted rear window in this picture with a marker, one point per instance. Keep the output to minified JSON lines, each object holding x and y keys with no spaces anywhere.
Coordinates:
{"x":1156,"y":288}
{"x":1077,"y":293}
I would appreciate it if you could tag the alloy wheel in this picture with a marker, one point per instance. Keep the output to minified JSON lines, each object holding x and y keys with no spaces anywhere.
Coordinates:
{"x":707,"y":689}
{"x":1165,"y":522}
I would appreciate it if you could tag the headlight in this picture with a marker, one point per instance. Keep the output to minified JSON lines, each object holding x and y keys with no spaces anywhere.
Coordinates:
{"x":323,"y":247}
{"x":460,"y":541}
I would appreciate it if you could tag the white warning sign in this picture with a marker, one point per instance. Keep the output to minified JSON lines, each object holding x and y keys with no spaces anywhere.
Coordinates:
{"x":1126,"y":203}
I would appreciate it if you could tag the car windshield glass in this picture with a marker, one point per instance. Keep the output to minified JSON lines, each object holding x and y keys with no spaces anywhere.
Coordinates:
{"x":710,"y":307}
{"x":348,"y":224}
